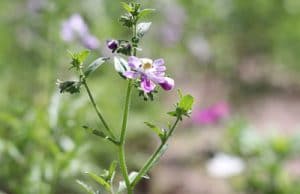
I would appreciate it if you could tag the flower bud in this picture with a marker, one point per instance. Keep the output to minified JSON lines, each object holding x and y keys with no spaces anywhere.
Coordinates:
{"x":112,"y":45}
{"x":168,"y":84}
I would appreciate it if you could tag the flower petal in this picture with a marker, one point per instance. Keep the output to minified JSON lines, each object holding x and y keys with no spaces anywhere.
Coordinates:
{"x":131,"y":74}
{"x":158,"y":62}
{"x":156,"y":79}
{"x":161,"y":68}
{"x":168,"y":84}
{"x":134,"y":62}
{"x":147,"y":85}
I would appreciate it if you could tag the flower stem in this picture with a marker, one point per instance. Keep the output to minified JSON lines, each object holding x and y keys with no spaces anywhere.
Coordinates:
{"x":95,"y":106}
{"x":153,"y":157}
{"x":122,"y":139}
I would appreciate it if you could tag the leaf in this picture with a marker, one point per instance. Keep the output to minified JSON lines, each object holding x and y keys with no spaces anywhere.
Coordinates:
{"x":78,"y":58}
{"x":95,"y":131}
{"x":99,"y":180}
{"x":157,"y":130}
{"x":94,"y":65}
{"x":81,"y":56}
{"x":120,"y":65}
{"x":86,"y":187}
{"x":145,"y":12}
{"x":127,"y":7}
{"x":186,"y":103}
{"x":142,"y":28}
{"x":112,"y":169}
{"x":172,"y":113}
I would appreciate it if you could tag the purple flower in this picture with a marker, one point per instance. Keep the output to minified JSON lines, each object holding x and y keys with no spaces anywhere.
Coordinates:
{"x":75,"y":28}
{"x":149,"y":72}
{"x":212,"y":114}
{"x":112,"y":45}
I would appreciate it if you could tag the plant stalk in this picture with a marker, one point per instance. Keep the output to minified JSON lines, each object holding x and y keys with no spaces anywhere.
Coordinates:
{"x":149,"y":162}
{"x":95,"y":105}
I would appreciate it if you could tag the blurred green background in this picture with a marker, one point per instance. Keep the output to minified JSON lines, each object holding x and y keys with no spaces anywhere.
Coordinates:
{"x":238,"y":57}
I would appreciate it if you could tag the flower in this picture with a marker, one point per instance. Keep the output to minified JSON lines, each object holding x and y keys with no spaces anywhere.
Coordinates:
{"x":149,"y":72}
{"x":76,"y":28}
{"x":112,"y":45}
{"x":212,"y":114}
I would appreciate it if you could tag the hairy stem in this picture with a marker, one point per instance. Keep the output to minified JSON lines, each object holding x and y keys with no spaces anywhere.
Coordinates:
{"x":153,"y":157}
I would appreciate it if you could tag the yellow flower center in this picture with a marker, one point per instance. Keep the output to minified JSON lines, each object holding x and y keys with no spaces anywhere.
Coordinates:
{"x":147,"y":66}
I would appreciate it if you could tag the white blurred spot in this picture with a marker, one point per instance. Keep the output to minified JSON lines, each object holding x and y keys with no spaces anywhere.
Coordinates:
{"x":223,"y":166}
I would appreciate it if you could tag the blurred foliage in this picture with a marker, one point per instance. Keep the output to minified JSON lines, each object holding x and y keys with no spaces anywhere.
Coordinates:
{"x":266,"y":158}
{"x":42,"y":146}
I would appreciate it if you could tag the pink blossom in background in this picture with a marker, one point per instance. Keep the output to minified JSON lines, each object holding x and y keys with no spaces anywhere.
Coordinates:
{"x":212,"y":114}
{"x":75,"y":28}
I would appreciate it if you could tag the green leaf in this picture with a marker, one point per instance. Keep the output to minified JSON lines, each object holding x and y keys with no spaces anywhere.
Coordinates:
{"x":78,"y":58}
{"x":120,"y":65}
{"x":145,"y":12}
{"x":112,"y":169}
{"x":94,"y":65}
{"x":81,"y":56}
{"x":161,"y":133}
{"x":127,"y":7}
{"x":142,"y":28}
{"x":101,"y":181}
{"x":186,"y":103}
{"x":86,"y":187}
{"x":172,"y":113}
{"x":95,"y":131}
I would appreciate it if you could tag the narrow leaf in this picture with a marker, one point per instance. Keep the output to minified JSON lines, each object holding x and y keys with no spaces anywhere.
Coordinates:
{"x":157,"y":130}
{"x":142,"y":28}
{"x":94,"y":65}
{"x":99,"y":180}
{"x":112,"y":169}
{"x":86,"y":187}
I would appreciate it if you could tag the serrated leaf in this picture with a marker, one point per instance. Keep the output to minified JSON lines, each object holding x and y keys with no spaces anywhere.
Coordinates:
{"x":101,"y":181}
{"x":157,"y":130}
{"x":186,"y":103}
{"x":121,"y":65}
{"x":127,"y":7}
{"x":145,"y":12}
{"x":86,"y":187}
{"x":95,"y":65}
{"x":142,"y":28}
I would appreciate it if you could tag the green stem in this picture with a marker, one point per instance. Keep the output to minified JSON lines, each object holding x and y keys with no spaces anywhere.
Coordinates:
{"x":95,"y":106}
{"x":122,"y":139}
{"x":150,"y":161}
